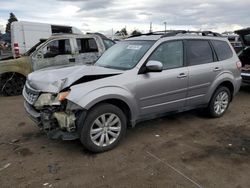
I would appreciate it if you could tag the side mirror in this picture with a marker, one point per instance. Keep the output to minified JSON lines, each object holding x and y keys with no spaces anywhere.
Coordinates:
{"x":154,"y":66}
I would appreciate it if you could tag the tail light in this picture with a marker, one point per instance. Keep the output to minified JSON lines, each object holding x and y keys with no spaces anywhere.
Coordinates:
{"x":238,"y":65}
{"x":16,"y":50}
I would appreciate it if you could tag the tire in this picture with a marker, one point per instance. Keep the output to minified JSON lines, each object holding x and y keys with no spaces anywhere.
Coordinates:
{"x":94,"y":132}
{"x":222,"y":96}
{"x":12,"y":84}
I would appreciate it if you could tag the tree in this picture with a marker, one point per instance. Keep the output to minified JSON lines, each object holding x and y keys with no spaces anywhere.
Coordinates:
{"x":124,"y":31}
{"x":135,"y":33}
{"x":10,"y":20}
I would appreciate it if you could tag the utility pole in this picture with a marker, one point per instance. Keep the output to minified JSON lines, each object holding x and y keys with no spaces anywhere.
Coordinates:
{"x":165,"y":24}
{"x":150,"y":28}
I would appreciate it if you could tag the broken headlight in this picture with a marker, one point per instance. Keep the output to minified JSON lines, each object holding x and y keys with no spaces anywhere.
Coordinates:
{"x":47,"y":99}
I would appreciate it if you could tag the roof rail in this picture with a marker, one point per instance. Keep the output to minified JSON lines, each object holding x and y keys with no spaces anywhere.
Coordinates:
{"x":203,"y":33}
{"x":170,"y":33}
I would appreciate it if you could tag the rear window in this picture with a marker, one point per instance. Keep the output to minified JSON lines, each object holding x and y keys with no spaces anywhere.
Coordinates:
{"x":222,"y":50}
{"x":86,"y":45}
{"x":199,"y":52}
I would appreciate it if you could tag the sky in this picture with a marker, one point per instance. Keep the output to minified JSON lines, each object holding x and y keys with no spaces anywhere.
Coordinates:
{"x":107,"y":15}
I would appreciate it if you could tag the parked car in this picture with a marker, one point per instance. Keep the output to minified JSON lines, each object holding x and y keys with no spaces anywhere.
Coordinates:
{"x":25,"y":34}
{"x":137,"y":79}
{"x":244,"y":54}
{"x":234,"y":39}
{"x":58,"y":50}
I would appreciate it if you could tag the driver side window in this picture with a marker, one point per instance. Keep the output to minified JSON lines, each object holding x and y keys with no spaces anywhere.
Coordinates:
{"x":170,"y":54}
{"x":57,"y":47}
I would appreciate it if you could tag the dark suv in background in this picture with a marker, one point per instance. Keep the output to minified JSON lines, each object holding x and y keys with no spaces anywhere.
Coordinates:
{"x":244,"y":54}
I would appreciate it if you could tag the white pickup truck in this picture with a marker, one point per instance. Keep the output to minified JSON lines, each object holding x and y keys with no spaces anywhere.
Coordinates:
{"x":58,"y":50}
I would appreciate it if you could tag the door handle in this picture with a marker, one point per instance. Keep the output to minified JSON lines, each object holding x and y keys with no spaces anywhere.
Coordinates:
{"x":217,"y":69}
{"x":182,"y":75}
{"x":72,"y":60}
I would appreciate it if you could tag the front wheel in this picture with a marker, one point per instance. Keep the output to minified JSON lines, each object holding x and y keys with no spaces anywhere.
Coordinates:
{"x":103,"y":128}
{"x":219,"y":102}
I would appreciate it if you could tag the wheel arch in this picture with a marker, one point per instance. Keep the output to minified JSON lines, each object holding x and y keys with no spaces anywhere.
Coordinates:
{"x":120,"y":104}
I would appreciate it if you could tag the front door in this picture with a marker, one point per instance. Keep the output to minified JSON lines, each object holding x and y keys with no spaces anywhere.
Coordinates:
{"x":55,"y":53}
{"x":159,"y":92}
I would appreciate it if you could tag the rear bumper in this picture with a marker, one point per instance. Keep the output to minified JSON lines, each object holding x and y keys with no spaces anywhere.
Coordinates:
{"x":237,"y":85}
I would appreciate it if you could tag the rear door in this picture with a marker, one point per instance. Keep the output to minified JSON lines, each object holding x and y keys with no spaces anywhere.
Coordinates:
{"x":203,"y":69}
{"x":88,"y":51}
{"x":54,"y":53}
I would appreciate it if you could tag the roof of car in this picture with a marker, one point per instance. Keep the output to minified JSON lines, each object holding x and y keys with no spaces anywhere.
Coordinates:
{"x":68,"y":35}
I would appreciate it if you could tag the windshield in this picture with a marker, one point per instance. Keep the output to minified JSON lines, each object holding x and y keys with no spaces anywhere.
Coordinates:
{"x":34,"y":47}
{"x":124,"y":55}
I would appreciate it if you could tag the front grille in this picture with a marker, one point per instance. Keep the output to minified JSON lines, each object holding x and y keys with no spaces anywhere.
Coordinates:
{"x":30,"y":94}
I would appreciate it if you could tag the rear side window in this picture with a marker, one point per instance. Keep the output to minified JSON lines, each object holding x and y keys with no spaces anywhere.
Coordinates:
{"x":222,"y":49}
{"x":199,"y":52}
{"x":86,"y":45}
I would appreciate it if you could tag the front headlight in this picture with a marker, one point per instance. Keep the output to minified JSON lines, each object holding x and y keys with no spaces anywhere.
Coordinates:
{"x":47,"y":99}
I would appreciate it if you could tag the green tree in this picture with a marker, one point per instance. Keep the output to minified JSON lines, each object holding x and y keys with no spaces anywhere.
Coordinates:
{"x":124,"y":31}
{"x":10,"y":20}
{"x":136,"y":33}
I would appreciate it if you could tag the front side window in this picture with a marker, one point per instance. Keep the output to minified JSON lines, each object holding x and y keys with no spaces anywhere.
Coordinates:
{"x":170,"y":54}
{"x":86,"y":45}
{"x":57,"y":47}
{"x":222,"y":50}
{"x":125,"y":55}
{"x":199,"y":52}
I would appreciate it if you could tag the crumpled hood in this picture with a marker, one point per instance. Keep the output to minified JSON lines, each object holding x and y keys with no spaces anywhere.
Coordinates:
{"x":56,"y":79}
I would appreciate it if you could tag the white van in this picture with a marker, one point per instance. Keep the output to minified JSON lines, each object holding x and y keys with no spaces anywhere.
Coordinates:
{"x":24,"y":35}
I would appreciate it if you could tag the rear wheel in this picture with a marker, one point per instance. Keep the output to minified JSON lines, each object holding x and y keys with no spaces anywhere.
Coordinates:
{"x":219,"y":102}
{"x":103,"y":128}
{"x":12,"y":84}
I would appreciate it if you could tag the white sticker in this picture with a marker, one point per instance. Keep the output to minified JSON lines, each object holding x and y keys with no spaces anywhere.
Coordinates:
{"x":134,"y":47}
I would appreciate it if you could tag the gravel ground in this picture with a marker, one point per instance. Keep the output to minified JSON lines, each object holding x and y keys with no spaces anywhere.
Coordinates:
{"x":182,"y":150}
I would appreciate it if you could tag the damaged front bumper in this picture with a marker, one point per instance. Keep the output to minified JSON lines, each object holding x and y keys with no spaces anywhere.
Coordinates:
{"x":58,"y":125}
{"x":57,"y":119}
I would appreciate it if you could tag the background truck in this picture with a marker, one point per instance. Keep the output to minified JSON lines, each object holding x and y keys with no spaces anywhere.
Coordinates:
{"x":58,"y":50}
{"x":24,"y":34}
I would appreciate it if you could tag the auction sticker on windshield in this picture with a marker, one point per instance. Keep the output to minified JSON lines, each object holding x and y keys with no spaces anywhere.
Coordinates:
{"x":134,"y":47}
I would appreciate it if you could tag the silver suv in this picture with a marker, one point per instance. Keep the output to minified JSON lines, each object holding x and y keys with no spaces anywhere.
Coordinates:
{"x":140,"y":78}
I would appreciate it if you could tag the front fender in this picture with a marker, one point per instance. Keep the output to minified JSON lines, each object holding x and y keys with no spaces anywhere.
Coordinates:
{"x":93,"y":97}
{"x":20,"y":65}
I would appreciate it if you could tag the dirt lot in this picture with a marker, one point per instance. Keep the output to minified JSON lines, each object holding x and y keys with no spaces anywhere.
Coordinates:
{"x":183,"y":150}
